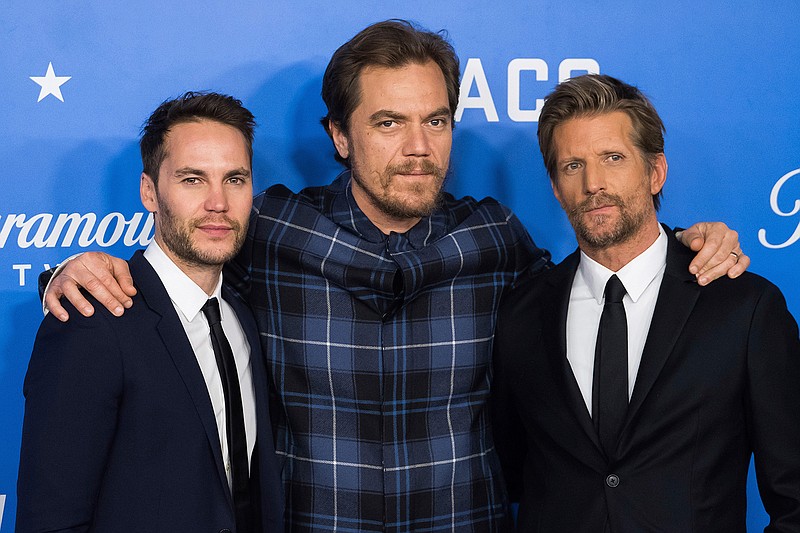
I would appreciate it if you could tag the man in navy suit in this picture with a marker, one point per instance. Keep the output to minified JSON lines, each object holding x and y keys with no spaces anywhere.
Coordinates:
{"x":628,"y":398}
{"x":128,"y":425}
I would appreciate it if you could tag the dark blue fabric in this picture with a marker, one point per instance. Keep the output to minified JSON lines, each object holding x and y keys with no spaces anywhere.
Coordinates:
{"x":119,"y":432}
{"x":379,"y":352}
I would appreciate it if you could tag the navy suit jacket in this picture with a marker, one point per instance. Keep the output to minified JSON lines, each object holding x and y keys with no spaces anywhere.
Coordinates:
{"x":119,"y":433}
{"x":719,"y":379}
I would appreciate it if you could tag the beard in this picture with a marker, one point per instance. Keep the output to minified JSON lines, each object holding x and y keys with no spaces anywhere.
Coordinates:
{"x":415,"y":200}
{"x":605,"y":231}
{"x":177,"y":236}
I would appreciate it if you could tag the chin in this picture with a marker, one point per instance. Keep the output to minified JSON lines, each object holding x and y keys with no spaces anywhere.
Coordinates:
{"x":215,"y":255}
{"x":417,"y":209}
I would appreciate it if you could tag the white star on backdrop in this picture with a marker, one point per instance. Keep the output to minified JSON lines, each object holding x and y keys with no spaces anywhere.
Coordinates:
{"x":50,"y":83}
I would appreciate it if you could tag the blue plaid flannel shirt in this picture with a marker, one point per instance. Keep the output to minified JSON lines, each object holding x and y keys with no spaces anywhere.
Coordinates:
{"x":379,"y":353}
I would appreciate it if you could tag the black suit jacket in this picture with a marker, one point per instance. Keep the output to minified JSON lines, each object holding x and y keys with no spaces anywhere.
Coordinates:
{"x":719,"y":379}
{"x":119,"y":433}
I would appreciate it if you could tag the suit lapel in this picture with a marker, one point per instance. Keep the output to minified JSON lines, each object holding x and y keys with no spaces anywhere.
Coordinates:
{"x":555,"y":345}
{"x":676,"y":299}
{"x":180,"y":350}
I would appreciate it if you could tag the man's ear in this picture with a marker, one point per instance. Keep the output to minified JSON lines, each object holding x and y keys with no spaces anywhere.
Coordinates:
{"x":659,"y":174}
{"x":147,"y":192}
{"x":339,"y":139}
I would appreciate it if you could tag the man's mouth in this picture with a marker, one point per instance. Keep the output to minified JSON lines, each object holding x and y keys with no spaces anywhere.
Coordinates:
{"x":598,"y":206}
{"x":215,"y":230}
{"x":599,"y":209}
{"x":416,"y":172}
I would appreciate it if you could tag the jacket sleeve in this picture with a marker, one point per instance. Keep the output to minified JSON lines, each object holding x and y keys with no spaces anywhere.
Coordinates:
{"x":72,"y":393}
{"x":774,"y":407}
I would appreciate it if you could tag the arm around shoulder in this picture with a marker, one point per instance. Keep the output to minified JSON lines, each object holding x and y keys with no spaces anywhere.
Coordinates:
{"x":105,"y":277}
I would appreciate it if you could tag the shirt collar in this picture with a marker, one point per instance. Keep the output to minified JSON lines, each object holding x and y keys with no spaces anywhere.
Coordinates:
{"x":346,"y":213}
{"x":185,"y":294}
{"x":635,"y":276}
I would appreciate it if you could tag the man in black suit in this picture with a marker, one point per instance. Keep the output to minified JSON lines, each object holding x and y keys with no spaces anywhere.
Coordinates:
{"x":158,"y":421}
{"x":627,"y":397}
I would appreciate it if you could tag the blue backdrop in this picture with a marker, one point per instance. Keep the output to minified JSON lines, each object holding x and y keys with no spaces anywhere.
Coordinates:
{"x":78,"y":79}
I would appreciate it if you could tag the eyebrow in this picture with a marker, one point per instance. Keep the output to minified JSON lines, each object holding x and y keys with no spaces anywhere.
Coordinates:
{"x":387,"y":113}
{"x":581,"y":159}
{"x":444,"y":110}
{"x":565,"y":160}
{"x":241,"y":171}
{"x":189,"y":171}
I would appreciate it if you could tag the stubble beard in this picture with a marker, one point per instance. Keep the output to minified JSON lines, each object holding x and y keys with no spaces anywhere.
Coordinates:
{"x":604,"y":231}
{"x":428,"y":196}
{"x":177,"y":236}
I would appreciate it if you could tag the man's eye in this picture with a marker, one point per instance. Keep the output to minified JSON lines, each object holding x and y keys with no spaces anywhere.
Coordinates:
{"x":387,"y":123}
{"x":191,"y":181}
{"x":437,"y":122}
{"x":615,"y":157}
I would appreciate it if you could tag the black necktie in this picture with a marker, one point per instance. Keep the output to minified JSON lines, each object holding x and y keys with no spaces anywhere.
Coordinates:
{"x":234,"y":417}
{"x":610,"y":389}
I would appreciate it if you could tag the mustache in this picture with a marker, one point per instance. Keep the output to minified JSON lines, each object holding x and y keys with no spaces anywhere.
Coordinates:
{"x":601,"y":199}
{"x":426,"y":166}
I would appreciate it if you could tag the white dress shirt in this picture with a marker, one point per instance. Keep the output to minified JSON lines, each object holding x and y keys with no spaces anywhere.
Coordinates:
{"x":642,"y":280}
{"x":188,"y":299}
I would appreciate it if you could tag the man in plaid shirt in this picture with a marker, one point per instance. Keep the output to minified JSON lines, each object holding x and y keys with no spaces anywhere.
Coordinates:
{"x":376,"y":299}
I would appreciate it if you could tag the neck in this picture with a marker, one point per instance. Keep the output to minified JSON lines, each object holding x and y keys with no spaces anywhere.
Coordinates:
{"x":616,"y":256}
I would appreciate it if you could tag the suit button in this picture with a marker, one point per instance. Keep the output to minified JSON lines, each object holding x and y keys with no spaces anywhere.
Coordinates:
{"x":612,"y":480}
{"x":225,"y":530}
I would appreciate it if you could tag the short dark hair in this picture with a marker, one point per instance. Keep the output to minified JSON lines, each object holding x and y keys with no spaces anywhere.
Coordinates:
{"x":391,"y":44}
{"x":597,"y":94}
{"x":191,"y":107}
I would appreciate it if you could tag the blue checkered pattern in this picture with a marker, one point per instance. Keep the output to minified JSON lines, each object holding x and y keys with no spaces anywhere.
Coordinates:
{"x":379,"y":352}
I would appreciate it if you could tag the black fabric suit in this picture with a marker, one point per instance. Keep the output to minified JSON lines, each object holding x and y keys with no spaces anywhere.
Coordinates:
{"x":719,"y":379}
{"x":119,"y":432}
